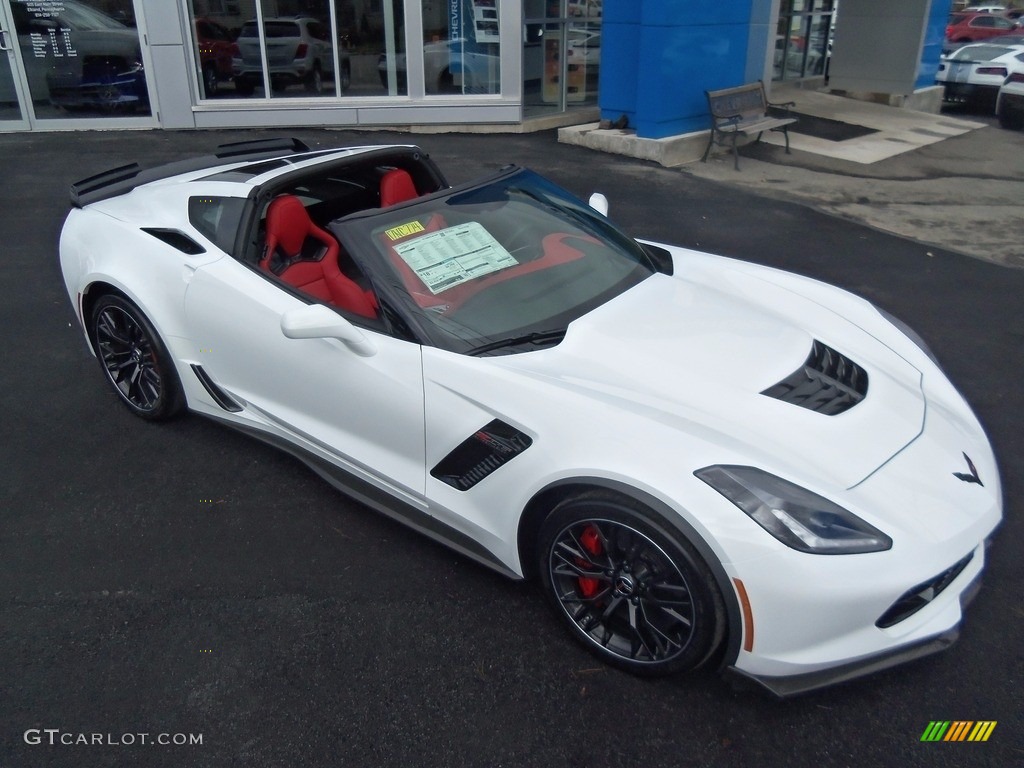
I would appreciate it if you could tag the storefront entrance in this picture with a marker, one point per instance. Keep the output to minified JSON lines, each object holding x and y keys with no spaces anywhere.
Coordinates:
{"x":561,"y":55}
{"x":72,"y":64}
{"x":803,"y":38}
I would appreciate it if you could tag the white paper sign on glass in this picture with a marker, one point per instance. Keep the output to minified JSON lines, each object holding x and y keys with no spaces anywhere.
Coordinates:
{"x":454,"y":255}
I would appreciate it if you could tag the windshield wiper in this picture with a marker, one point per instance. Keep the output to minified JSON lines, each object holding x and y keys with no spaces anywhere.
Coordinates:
{"x":537,"y":337}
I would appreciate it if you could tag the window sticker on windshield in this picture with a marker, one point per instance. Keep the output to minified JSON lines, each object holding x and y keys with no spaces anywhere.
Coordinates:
{"x":454,"y":255}
{"x":397,"y":233}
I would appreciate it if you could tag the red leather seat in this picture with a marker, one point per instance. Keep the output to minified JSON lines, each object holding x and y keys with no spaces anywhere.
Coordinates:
{"x":396,"y":186}
{"x":313,"y":271}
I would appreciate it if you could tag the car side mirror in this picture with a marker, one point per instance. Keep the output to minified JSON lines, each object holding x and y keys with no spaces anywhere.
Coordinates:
{"x":319,"y":322}
{"x":599,"y":203}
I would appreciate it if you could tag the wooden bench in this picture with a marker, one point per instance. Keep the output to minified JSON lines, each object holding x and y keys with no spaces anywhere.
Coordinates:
{"x":744,"y":110}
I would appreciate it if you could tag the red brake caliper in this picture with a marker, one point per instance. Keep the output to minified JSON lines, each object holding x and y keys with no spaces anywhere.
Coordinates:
{"x":590,"y":540}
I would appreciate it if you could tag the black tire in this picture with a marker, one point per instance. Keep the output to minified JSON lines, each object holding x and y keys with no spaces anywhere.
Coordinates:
{"x":134,"y":359}
{"x":446,"y":83}
{"x":210,"y":81}
{"x":630,"y":588}
{"x":1011,"y":119}
{"x":315,"y":81}
{"x":346,"y":77}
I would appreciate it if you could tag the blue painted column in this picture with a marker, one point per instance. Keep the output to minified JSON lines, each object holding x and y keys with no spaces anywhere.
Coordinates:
{"x":659,"y":56}
{"x":934,"y":36}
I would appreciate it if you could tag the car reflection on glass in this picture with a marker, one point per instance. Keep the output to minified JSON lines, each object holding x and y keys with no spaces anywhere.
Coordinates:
{"x":78,"y":57}
{"x":299,"y":51}
{"x":449,"y":66}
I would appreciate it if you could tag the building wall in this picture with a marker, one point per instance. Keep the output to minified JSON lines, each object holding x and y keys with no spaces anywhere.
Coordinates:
{"x":659,"y":56}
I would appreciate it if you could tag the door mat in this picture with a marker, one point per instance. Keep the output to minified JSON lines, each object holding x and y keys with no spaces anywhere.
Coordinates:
{"x":824,"y":128}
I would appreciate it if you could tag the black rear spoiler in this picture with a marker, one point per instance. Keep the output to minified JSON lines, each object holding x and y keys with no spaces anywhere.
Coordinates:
{"x":125,"y":178}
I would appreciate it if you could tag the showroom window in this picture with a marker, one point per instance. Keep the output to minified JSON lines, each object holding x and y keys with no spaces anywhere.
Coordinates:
{"x":298,"y":49}
{"x":461,"y":50}
{"x":81,"y":58}
{"x":803,"y":39}
{"x":561,"y":55}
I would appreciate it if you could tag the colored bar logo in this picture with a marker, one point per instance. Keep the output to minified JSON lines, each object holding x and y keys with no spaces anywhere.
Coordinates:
{"x":958,"y":730}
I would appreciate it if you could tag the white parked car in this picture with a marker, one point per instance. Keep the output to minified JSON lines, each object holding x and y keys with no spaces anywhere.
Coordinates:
{"x":299,"y":51}
{"x":1010,"y":101}
{"x":974,"y":73}
{"x":701,"y":460}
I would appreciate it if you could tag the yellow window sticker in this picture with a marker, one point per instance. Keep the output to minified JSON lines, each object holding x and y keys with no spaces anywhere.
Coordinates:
{"x":397,"y":233}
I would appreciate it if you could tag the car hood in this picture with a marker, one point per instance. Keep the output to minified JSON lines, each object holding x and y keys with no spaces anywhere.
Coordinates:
{"x":697,"y":354}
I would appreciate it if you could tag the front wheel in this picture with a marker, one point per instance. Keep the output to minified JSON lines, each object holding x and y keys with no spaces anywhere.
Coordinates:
{"x":633,"y":591}
{"x":134,"y":359}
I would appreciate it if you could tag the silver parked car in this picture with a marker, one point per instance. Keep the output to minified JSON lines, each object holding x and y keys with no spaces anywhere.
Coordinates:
{"x":299,"y":50}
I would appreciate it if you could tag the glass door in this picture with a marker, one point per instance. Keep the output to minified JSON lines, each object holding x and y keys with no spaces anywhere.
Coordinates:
{"x":12,"y":105}
{"x":561,"y":55}
{"x":81,"y":61}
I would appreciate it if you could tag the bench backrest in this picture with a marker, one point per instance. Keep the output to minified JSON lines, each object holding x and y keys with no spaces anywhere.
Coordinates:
{"x":747,"y":101}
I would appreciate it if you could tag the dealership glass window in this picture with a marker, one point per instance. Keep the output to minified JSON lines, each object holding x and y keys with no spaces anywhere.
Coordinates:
{"x":461,"y":50}
{"x":81,"y":58}
{"x":803,"y":38}
{"x":561,"y":55}
{"x":309,"y":48}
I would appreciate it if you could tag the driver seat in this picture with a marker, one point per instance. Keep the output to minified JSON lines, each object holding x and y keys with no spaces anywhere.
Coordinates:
{"x":305,"y":257}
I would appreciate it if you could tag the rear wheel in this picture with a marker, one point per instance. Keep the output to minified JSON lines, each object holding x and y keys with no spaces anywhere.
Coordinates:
{"x":1010,"y":118}
{"x":134,"y":359}
{"x":315,"y":81}
{"x":635,"y":593}
{"x":210,"y":81}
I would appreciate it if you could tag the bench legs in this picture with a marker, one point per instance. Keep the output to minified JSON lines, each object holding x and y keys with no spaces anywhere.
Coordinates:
{"x":735,"y":152}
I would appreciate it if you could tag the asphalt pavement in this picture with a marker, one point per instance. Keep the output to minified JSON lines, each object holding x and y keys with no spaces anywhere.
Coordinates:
{"x":184,"y":580}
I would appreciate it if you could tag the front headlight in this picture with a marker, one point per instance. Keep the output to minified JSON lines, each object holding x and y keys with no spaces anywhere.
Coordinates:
{"x":798,"y":518}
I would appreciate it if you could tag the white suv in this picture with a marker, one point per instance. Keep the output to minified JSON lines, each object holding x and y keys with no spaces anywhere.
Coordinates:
{"x":299,"y":50}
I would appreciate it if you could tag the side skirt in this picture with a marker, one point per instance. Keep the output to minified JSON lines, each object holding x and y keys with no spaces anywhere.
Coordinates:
{"x":378,"y":500}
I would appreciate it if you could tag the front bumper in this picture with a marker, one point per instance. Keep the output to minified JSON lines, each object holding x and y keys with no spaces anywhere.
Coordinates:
{"x":794,"y":685}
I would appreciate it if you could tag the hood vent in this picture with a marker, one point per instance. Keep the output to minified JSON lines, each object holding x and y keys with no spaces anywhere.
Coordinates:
{"x":828,"y":382}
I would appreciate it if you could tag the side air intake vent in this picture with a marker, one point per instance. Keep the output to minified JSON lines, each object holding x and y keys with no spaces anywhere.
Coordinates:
{"x":828,"y":383}
{"x":176,"y":239}
{"x":480,"y":454}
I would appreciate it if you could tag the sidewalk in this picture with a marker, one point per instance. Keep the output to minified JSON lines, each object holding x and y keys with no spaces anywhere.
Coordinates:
{"x":951,"y":180}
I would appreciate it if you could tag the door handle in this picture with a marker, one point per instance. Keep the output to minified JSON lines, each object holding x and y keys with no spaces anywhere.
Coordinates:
{"x":5,"y":40}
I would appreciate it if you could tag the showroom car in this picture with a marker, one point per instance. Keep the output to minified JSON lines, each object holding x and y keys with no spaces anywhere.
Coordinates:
{"x":299,"y":51}
{"x":78,"y":57}
{"x":701,"y":461}
{"x":974,"y":73}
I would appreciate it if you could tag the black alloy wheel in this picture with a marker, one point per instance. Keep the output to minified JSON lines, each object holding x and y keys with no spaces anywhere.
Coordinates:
{"x":134,"y":359}
{"x":637,"y":595}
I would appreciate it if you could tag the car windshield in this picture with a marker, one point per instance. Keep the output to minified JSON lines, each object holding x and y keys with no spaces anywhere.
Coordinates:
{"x":502,"y":266}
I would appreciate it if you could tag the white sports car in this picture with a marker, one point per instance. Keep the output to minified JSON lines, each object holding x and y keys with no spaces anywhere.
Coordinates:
{"x":702,"y":461}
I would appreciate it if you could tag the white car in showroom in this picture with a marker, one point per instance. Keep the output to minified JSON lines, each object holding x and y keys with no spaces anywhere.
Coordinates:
{"x":701,"y":461}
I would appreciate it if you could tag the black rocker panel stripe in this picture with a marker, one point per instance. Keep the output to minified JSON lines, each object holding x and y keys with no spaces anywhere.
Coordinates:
{"x":480,"y":454}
